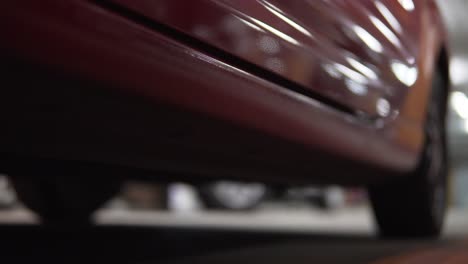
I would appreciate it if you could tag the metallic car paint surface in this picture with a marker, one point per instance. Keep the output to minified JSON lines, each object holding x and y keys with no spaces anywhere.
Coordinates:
{"x":363,"y":54}
{"x":373,"y":56}
{"x":95,"y":43}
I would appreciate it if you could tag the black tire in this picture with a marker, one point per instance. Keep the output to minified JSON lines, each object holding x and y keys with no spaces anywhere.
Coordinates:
{"x":213,"y":197}
{"x":63,"y":197}
{"x":414,"y":206}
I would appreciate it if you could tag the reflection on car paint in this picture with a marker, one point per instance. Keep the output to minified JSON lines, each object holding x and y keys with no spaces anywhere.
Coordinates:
{"x":352,"y":52}
{"x":408,"y":5}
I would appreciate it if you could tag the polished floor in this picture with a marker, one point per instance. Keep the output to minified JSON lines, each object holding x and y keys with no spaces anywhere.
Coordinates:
{"x":271,"y":235}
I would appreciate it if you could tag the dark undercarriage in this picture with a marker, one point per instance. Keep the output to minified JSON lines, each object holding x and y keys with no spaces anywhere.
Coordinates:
{"x":50,"y":117}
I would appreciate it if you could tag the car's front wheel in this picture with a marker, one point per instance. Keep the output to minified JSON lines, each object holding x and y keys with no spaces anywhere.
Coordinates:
{"x":414,"y":205}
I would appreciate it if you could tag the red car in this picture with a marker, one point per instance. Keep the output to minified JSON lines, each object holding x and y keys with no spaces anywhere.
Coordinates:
{"x":284,"y":92}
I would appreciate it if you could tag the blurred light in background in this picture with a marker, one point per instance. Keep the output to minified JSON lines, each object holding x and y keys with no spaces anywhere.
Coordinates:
{"x":459,"y":103}
{"x":458,"y":70}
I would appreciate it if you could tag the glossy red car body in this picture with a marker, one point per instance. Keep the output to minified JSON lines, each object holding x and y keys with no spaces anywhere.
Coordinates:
{"x":287,"y":91}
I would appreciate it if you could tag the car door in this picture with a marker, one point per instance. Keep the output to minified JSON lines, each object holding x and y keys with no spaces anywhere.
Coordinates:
{"x":360,"y":56}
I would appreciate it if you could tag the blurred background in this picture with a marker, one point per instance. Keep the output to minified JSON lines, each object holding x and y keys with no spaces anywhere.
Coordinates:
{"x":455,"y":12}
{"x":292,"y":206}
